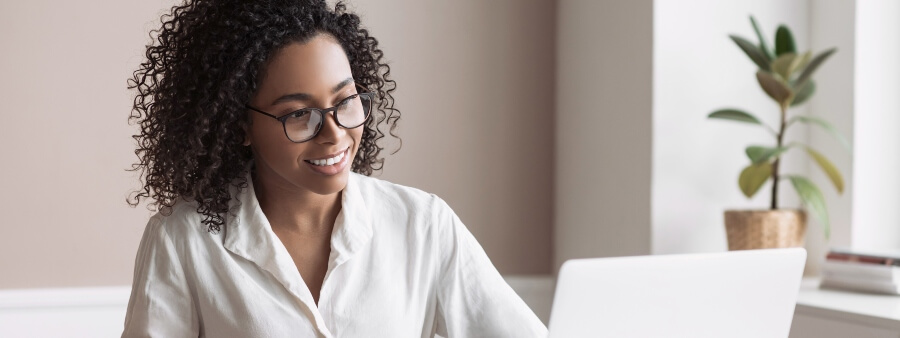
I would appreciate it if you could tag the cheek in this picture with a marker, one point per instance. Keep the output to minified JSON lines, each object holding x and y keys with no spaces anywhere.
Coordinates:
{"x":270,"y":143}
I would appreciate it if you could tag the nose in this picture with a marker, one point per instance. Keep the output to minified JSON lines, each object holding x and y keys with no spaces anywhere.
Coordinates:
{"x":331,"y":132}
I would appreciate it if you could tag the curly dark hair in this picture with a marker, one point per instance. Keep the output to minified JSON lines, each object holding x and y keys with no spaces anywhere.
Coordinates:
{"x":204,"y":65}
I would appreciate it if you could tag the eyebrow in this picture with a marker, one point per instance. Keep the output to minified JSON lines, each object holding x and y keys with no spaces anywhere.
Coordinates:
{"x":307,"y":97}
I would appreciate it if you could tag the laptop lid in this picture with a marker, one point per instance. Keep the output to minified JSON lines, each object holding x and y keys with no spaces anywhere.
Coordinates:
{"x":749,"y":293}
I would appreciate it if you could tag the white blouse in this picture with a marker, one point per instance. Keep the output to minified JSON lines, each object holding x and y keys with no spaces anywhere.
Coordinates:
{"x":401,"y":265}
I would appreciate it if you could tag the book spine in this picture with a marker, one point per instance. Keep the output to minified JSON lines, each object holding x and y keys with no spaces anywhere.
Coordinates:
{"x":862,"y":259}
{"x":859,"y":285}
{"x":857,"y":270}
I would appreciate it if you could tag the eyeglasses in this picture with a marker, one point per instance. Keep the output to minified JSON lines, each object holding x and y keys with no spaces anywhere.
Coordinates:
{"x":304,"y":124}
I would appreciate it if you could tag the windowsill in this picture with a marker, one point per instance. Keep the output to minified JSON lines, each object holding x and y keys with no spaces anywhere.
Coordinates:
{"x":864,"y":308}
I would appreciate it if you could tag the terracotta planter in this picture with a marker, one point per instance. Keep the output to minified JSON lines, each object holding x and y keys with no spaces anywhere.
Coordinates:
{"x":765,"y":229}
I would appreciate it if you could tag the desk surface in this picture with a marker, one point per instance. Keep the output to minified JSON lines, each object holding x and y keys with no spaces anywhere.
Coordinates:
{"x":865,"y":308}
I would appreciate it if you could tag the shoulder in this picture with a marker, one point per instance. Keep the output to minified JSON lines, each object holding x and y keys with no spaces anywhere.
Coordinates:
{"x":179,"y":224}
{"x":392,"y":196}
{"x":408,"y":210}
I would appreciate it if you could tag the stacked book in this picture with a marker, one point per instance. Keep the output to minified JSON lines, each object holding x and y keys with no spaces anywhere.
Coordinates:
{"x":867,"y":271}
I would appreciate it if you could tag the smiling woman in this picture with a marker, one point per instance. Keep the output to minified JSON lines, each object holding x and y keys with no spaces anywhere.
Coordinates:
{"x":259,"y":122}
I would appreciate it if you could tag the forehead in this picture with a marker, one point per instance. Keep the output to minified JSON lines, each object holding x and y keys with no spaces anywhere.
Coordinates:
{"x":314,"y":67}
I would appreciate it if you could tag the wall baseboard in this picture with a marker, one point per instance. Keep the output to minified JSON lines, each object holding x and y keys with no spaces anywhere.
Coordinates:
{"x":63,"y":312}
{"x":100,"y":311}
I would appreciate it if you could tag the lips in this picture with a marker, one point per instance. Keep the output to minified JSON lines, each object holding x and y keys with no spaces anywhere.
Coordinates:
{"x":328,"y":156}
{"x":330,"y":166}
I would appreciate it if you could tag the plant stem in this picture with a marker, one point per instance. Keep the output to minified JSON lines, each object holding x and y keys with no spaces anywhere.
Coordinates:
{"x":777,"y":162}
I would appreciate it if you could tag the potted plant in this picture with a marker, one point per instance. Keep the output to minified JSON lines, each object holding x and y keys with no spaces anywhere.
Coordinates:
{"x":785,"y":76}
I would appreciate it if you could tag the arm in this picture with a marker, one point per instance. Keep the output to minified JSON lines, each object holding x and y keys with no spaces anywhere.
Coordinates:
{"x":473,"y":299}
{"x":160,"y":304}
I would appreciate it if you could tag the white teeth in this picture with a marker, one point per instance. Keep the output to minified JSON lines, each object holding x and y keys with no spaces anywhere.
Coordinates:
{"x":329,"y":161}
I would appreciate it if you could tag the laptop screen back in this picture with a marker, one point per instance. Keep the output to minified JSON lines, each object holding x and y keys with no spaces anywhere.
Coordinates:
{"x":748,"y":293}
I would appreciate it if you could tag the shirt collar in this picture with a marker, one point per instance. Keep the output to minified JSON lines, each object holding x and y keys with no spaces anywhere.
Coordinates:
{"x":353,"y":226}
{"x":249,"y":234}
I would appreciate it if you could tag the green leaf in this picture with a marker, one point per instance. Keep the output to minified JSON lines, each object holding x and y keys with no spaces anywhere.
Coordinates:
{"x":804,"y":93}
{"x":801,"y":61}
{"x":752,"y":51}
{"x":813,"y":65}
{"x":833,"y":173}
{"x":760,"y":154}
{"x":821,"y":123}
{"x":755,"y":152}
{"x":784,"y":64}
{"x":784,"y":41}
{"x":762,"y":41}
{"x":813,"y":199}
{"x":734,"y":115}
{"x":776,"y":89}
{"x":753,"y":177}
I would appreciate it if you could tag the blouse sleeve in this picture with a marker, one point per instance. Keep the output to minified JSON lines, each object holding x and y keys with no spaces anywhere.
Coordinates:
{"x":473,"y":299}
{"x":160,"y":303}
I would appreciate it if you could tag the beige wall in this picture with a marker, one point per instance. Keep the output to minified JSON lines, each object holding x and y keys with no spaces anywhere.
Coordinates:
{"x":65,"y":141}
{"x":475,"y":87}
{"x":603,"y":150}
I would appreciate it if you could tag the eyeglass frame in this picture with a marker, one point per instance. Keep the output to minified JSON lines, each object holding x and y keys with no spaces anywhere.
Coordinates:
{"x":322,"y":114}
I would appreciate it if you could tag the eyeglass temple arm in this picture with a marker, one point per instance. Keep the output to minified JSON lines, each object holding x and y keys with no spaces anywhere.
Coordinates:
{"x":260,"y":111}
{"x":364,"y":88}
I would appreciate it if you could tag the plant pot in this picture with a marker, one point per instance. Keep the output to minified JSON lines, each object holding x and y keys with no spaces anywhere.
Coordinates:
{"x":765,"y":229}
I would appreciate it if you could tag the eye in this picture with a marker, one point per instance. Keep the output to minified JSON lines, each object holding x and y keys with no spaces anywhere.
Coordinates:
{"x":300,"y":113}
{"x":347,"y":100}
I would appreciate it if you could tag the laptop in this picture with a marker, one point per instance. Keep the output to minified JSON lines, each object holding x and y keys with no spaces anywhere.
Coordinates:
{"x":749,"y":293}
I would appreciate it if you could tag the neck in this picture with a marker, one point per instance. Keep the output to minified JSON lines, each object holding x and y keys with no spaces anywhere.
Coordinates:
{"x":295,"y":210}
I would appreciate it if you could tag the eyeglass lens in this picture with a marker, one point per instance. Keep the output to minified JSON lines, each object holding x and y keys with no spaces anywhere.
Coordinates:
{"x":303,"y":125}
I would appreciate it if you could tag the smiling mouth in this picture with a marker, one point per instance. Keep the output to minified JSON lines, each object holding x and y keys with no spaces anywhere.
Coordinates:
{"x":329,"y":161}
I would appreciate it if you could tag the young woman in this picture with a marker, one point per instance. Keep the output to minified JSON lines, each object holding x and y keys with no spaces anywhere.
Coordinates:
{"x":258,"y":129}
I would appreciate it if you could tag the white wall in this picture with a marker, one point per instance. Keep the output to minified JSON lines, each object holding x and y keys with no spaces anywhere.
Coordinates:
{"x":833,"y":24}
{"x":696,"y":69}
{"x":696,"y":162}
{"x":876,"y":215}
{"x":603,"y":127}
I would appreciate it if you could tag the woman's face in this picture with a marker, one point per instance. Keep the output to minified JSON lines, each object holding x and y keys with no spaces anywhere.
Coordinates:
{"x":315,"y":74}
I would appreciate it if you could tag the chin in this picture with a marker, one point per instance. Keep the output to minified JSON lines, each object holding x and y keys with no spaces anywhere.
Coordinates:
{"x":325,"y":185}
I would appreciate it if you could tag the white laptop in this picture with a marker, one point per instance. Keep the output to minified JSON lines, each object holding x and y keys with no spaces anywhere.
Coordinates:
{"x":750,"y":293}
